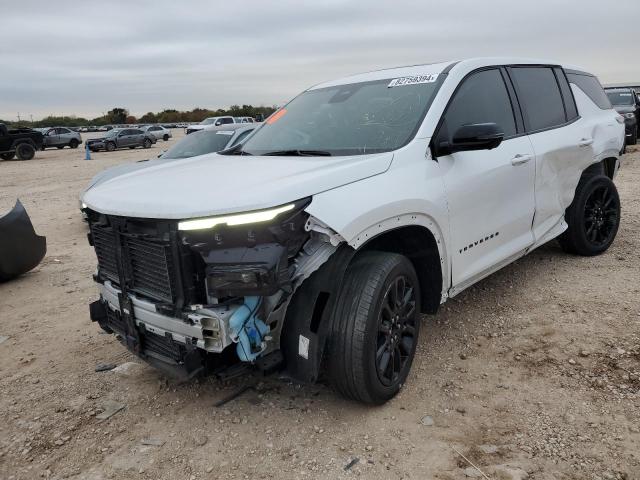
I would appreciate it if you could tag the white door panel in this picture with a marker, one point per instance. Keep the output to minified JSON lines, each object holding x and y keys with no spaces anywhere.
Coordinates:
{"x":491,"y":200}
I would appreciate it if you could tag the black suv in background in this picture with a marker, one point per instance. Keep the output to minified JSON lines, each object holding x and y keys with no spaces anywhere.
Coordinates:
{"x":627,"y":104}
{"x":19,"y":142}
{"x":121,"y":138}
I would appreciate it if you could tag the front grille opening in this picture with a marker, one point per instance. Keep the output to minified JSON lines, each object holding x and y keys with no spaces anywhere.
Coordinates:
{"x":151,"y":268}
{"x":146,"y":263}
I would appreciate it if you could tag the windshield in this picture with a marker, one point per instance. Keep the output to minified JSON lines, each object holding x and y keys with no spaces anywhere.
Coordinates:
{"x":620,"y":97}
{"x":208,"y":121}
{"x":112,"y":133}
{"x":199,"y":143}
{"x":354,"y":119}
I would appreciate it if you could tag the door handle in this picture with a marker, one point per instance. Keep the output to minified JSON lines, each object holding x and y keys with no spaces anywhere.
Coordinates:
{"x":585,"y":142}
{"x":520,"y":159}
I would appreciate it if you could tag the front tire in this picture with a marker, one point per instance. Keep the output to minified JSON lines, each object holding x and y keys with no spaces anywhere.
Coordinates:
{"x":146,"y":143}
{"x":25,"y":151}
{"x":110,"y":146}
{"x":593,"y":217}
{"x":633,"y":139}
{"x":166,"y":137}
{"x":8,"y":155}
{"x":375,"y":330}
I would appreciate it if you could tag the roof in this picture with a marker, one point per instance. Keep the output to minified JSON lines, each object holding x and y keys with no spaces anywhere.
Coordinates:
{"x":437,"y":68}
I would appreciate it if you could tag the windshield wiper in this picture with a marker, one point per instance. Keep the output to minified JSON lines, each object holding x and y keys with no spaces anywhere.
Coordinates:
{"x":298,"y":153}
{"x":235,"y":150}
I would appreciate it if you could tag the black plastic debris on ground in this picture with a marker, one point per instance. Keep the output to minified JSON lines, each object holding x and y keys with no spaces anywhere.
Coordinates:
{"x":351,"y":463}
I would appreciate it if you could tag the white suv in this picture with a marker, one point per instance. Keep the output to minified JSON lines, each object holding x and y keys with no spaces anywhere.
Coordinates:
{"x":360,"y":205}
{"x":210,"y":123}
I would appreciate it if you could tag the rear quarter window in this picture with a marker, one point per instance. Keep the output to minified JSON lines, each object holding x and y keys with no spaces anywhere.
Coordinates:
{"x":591,"y":87}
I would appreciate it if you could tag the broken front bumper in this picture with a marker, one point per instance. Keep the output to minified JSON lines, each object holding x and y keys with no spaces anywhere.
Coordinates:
{"x":204,"y":328}
{"x":20,"y":248}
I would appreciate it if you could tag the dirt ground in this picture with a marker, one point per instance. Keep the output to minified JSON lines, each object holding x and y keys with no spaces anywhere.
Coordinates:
{"x":532,"y":373}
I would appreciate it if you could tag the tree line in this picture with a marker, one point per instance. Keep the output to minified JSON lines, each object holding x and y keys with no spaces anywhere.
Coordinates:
{"x":119,"y":116}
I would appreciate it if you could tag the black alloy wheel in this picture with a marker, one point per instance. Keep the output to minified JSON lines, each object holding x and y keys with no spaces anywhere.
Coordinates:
{"x":396,"y":330}
{"x":601,"y":212}
{"x":593,"y":217}
{"x":374,"y":328}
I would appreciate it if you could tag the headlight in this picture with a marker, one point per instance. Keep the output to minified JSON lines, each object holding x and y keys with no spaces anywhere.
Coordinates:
{"x":629,"y":115}
{"x":240,"y":219}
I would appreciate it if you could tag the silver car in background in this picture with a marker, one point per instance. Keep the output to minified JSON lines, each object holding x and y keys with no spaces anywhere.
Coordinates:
{"x":244,"y":119}
{"x":60,"y":137}
{"x":157,"y":131}
{"x":210,"y":140}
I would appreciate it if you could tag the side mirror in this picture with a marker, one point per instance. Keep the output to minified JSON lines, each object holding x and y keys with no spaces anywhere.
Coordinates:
{"x":218,"y":123}
{"x":476,"y":136}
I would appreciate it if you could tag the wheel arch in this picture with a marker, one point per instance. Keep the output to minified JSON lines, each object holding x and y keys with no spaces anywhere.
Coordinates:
{"x":20,"y":141}
{"x":423,"y":246}
{"x":606,"y":166}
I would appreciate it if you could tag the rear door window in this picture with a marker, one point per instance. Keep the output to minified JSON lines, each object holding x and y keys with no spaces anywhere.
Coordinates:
{"x":481,"y":98}
{"x":540,"y":98}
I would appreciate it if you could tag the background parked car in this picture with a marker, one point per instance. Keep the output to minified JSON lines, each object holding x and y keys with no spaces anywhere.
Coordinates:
{"x":121,"y":138}
{"x":210,"y":122}
{"x":244,"y":119}
{"x":19,"y":142}
{"x":210,"y":140}
{"x":200,"y":143}
{"x":158,"y":131}
{"x":627,"y":104}
{"x":60,"y":137}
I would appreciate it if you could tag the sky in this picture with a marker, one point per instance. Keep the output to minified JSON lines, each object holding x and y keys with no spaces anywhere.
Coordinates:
{"x":85,"y":57}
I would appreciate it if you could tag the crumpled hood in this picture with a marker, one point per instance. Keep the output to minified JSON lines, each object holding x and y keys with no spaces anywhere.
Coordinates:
{"x":215,"y":184}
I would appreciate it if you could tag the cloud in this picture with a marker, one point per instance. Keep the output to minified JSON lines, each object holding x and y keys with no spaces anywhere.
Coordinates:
{"x":86,"y":57}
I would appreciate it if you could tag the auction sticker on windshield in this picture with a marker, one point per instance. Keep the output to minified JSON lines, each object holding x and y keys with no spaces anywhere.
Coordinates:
{"x":225,"y":132}
{"x":413,"y":80}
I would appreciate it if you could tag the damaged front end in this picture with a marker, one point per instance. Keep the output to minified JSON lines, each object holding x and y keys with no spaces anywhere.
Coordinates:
{"x":203,"y":295}
{"x":21,"y":249}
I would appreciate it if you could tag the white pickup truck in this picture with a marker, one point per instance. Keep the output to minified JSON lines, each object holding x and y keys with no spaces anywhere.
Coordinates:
{"x":362,"y":204}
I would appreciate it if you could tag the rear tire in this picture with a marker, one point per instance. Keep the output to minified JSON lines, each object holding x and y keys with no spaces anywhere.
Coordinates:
{"x":73,"y":143}
{"x":8,"y":155}
{"x":110,"y":146}
{"x":25,"y":151}
{"x":132,"y":148}
{"x":633,"y":139}
{"x":375,"y":329}
{"x":60,"y":147}
{"x":593,"y":217}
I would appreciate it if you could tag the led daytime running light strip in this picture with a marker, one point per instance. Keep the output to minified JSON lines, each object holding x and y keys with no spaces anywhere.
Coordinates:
{"x":240,"y":219}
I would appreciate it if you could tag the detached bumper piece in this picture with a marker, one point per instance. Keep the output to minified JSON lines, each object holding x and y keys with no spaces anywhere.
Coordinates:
{"x":21,"y":249}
